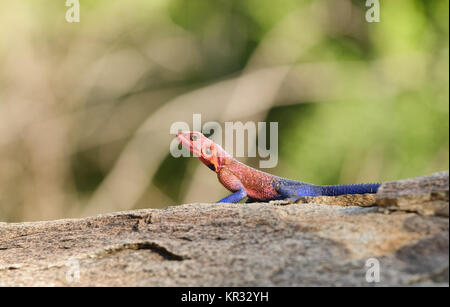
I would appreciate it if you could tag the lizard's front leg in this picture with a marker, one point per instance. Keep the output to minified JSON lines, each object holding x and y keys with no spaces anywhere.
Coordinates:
{"x":235,"y":197}
{"x":232,"y":183}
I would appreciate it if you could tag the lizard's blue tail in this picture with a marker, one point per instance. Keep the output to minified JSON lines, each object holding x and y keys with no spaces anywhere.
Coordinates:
{"x":333,"y":190}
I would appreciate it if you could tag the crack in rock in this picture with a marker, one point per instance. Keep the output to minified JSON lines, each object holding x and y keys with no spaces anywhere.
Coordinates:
{"x":152,"y":246}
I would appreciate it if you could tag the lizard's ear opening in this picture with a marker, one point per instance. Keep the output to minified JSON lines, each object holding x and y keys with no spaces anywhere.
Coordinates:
{"x":212,"y":166}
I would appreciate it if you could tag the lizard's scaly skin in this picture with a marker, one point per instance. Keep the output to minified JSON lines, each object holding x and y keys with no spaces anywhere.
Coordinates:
{"x":245,"y":181}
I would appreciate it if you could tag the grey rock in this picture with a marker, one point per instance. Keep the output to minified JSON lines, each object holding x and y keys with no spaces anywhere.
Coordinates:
{"x":261,"y":244}
{"x":425,"y":195}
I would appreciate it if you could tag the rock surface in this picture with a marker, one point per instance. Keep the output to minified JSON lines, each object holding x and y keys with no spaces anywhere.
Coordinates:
{"x":305,"y":244}
{"x":424,"y":195}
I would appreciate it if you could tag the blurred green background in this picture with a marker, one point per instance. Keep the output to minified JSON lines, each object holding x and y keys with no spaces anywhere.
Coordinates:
{"x":85,"y":108}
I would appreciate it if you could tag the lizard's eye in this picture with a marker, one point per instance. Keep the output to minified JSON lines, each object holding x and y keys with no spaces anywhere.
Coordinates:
{"x":193,"y":137}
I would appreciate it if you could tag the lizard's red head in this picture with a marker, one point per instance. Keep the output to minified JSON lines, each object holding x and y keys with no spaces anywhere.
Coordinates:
{"x":211,"y":154}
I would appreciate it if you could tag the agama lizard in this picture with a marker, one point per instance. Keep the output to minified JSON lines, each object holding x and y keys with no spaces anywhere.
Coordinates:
{"x":245,"y":181}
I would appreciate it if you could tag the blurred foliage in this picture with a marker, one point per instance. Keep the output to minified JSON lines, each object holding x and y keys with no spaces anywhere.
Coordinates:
{"x":85,"y":108}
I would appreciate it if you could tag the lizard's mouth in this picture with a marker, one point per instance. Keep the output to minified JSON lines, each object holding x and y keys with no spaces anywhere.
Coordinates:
{"x":183,"y":140}
{"x":187,"y":143}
